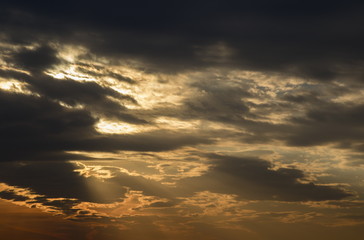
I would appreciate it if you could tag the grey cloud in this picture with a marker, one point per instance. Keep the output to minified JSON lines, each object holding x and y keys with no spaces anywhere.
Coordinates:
{"x":37,"y":59}
{"x":44,"y":130}
{"x":66,"y":206}
{"x":334,"y":123}
{"x":36,"y":126}
{"x":95,"y":97}
{"x":314,"y":118}
{"x":218,"y":102}
{"x":61,"y":180}
{"x":11,"y":195}
{"x":92,"y":95}
{"x":289,"y":49}
{"x":54,"y":180}
{"x":309,"y":39}
{"x":251,"y":178}
{"x":159,"y":140}
{"x":303,"y":98}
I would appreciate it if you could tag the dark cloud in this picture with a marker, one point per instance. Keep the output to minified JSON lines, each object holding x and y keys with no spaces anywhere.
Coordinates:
{"x":218,"y":102}
{"x":255,"y":179}
{"x":313,"y":117}
{"x":314,"y":40}
{"x":95,"y":97}
{"x":44,"y":129}
{"x":61,"y":180}
{"x":57,"y":180}
{"x":37,"y":59}
{"x":302,"y":98}
{"x":66,"y":206}
{"x":310,"y":40}
{"x":91,"y":94}
{"x":149,"y":141}
{"x":11,"y":195}
{"x":35,"y":128}
{"x":334,"y":123}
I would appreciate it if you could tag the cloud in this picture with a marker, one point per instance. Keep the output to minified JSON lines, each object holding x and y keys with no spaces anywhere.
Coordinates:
{"x":59,"y":188}
{"x":294,"y":113}
{"x":255,"y":179}
{"x":334,"y":123}
{"x":36,"y":60}
{"x":55,"y":180}
{"x":311,"y":40}
{"x":208,"y":76}
{"x":90,"y":94}
{"x":59,"y":184}
{"x":218,"y":102}
{"x":289,"y":40}
{"x":44,"y":130}
{"x":10,"y":195}
{"x":69,"y":91}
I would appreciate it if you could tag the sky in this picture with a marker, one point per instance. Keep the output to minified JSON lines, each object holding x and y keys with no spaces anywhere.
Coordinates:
{"x":159,"y":120}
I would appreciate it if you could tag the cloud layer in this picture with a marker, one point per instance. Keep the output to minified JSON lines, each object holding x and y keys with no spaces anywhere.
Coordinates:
{"x":187,"y":119}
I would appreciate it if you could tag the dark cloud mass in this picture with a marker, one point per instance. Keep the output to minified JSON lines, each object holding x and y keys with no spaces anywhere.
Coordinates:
{"x":43,"y":130}
{"x":282,"y":36}
{"x":335,"y":123}
{"x":36,"y":60}
{"x":254,"y":179}
{"x":69,"y":91}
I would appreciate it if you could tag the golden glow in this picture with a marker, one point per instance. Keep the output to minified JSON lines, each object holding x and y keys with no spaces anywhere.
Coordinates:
{"x":133,"y":204}
{"x":173,"y":123}
{"x":14,"y":86}
{"x":31,"y":199}
{"x":355,"y":97}
{"x":70,"y":72}
{"x":165,"y":168}
{"x":109,"y":127}
{"x":94,"y":171}
{"x":18,"y":191}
